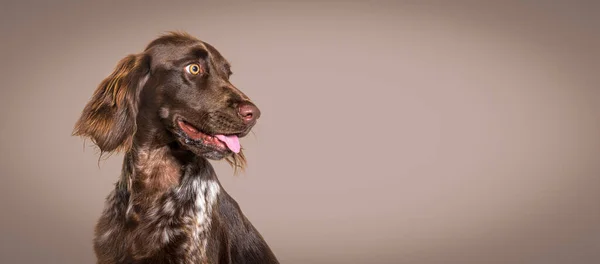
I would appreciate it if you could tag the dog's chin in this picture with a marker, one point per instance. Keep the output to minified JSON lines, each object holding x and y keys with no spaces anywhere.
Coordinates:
{"x":199,"y":143}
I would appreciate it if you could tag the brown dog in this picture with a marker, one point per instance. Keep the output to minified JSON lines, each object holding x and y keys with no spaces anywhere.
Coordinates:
{"x":170,"y":108}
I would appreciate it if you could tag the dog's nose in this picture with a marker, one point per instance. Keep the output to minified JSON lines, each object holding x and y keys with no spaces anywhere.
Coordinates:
{"x":248,"y":112}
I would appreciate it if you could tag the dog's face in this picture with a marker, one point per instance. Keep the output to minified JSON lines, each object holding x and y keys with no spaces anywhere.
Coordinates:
{"x":190,"y":91}
{"x":179,"y":89}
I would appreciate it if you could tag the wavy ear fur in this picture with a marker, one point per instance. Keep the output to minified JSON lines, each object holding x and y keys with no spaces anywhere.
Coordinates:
{"x":109,"y":117}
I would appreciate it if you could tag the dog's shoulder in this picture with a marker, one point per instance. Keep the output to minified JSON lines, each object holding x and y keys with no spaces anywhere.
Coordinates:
{"x":242,"y":243}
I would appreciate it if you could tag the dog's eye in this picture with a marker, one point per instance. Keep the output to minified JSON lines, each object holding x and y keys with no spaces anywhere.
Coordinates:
{"x":194,"y":69}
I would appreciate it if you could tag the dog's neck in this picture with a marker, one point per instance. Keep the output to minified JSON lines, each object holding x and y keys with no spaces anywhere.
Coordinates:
{"x":155,"y":165}
{"x":155,"y":170}
{"x":159,"y":180}
{"x":151,"y":170}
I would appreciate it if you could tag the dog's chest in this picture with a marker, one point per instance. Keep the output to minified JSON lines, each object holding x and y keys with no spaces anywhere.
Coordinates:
{"x":178,"y":227}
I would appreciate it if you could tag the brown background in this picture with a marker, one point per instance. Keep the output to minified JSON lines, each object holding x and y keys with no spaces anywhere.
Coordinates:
{"x":391,"y":133}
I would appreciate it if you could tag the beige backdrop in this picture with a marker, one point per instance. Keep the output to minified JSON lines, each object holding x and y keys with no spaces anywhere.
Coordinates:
{"x":391,"y":133}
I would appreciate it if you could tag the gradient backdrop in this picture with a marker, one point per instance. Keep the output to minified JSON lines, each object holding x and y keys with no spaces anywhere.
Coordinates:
{"x":391,"y":132}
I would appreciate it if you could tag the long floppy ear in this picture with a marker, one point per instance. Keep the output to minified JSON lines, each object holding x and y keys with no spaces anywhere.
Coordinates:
{"x":109,"y":117}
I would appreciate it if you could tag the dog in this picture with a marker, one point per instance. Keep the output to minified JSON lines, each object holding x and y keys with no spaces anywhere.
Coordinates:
{"x":170,"y":109}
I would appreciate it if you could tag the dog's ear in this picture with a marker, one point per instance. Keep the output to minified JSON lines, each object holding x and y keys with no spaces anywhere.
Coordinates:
{"x":109,"y":117}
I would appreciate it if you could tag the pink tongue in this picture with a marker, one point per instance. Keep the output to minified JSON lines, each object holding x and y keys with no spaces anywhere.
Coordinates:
{"x":232,"y":142}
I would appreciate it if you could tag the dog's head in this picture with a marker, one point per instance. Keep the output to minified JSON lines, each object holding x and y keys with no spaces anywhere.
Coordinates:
{"x":178,"y":92}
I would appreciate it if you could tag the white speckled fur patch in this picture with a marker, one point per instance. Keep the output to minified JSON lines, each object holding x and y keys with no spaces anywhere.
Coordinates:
{"x":206,"y":197}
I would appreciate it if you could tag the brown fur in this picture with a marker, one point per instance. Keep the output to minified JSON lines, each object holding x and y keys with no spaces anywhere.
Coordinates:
{"x":108,"y":118}
{"x":168,"y":206}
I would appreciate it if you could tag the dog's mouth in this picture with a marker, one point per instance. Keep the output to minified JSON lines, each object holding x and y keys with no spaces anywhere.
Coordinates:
{"x":219,"y":142}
